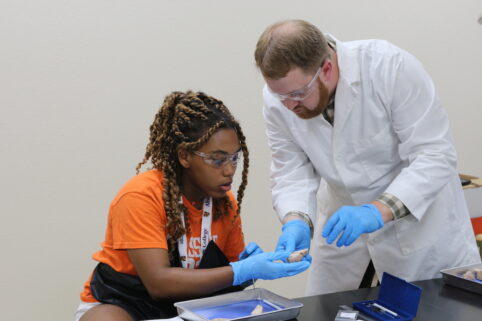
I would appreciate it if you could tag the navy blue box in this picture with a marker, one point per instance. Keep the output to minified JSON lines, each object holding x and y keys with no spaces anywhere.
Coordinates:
{"x":397,"y":300}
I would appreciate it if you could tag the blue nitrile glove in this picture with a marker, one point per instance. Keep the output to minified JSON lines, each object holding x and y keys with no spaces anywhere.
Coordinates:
{"x":250,"y":249}
{"x":296,"y":235}
{"x":351,"y":222}
{"x":261,"y":266}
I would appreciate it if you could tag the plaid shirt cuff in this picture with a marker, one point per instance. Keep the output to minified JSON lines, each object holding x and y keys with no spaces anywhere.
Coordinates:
{"x":399,"y":210}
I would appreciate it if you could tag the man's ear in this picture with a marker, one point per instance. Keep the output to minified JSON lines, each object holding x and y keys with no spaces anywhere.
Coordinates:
{"x":184,"y":157}
{"x":327,"y":70}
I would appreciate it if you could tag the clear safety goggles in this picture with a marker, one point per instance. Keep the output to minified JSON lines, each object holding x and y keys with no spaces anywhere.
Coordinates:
{"x":300,"y":94}
{"x":219,"y":159}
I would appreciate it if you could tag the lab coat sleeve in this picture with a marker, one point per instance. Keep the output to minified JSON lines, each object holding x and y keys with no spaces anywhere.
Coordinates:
{"x":294,"y":182}
{"x":423,"y":130}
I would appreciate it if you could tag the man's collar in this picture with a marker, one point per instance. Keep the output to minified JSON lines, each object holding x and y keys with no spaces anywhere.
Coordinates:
{"x":348,"y":66}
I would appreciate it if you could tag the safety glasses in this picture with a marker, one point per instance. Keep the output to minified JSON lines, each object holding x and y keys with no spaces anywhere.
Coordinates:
{"x":219,"y":159}
{"x":300,"y":94}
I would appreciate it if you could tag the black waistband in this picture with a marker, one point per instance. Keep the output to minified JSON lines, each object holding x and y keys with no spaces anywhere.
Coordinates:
{"x":128,"y":292}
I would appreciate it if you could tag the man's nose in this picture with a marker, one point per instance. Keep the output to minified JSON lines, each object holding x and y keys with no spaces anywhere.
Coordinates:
{"x":290,"y":104}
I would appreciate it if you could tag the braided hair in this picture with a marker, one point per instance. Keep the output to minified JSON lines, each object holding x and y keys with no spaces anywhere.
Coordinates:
{"x":187,"y":120}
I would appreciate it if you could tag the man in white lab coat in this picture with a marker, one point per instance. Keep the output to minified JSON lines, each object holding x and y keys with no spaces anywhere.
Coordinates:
{"x":358,"y":135}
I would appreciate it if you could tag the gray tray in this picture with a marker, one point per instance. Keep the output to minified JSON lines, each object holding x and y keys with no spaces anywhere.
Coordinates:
{"x":453,"y":277}
{"x":283,"y":308}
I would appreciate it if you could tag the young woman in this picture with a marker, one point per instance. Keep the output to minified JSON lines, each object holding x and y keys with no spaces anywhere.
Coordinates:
{"x":174,"y":232}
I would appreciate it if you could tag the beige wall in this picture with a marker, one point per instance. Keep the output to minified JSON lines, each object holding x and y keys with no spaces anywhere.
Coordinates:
{"x":80,"y":83}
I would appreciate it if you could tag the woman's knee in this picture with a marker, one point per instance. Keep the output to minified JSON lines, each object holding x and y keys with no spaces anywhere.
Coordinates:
{"x":106,"y":312}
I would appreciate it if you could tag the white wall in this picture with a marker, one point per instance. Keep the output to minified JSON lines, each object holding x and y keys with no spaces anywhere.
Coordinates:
{"x":80,"y":83}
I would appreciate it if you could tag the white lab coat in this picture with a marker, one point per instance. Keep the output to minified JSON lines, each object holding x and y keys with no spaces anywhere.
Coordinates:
{"x":390,"y":134}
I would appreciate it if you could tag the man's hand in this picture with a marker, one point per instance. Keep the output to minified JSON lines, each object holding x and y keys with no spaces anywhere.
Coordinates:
{"x":351,"y":222}
{"x":296,"y":235}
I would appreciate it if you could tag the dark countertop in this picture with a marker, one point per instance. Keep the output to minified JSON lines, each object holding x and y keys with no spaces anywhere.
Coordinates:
{"x":439,"y":302}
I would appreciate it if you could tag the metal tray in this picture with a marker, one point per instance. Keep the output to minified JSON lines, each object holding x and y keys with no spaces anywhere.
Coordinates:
{"x":238,"y":306}
{"x":453,"y":276}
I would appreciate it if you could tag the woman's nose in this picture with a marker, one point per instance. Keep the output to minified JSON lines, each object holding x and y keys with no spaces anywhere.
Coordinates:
{"x":229,"y":169}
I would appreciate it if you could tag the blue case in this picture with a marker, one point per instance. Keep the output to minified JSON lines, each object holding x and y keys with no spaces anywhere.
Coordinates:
{"x":397,"y":295}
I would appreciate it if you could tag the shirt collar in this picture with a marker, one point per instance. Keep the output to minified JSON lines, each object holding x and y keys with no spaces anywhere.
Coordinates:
{"x":348,"y":65}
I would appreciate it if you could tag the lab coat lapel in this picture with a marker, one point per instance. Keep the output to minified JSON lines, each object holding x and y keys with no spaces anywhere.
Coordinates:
{"x":347,"y":90}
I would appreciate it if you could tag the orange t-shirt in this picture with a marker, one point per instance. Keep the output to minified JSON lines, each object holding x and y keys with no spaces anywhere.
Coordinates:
{"x":137,"y":219}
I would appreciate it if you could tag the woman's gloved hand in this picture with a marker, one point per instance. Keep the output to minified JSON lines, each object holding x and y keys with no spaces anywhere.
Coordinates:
{"x":251,"y":249}
{"x":351,"y":222}
{"x":261,"y":266}
{"x":296,"y":235}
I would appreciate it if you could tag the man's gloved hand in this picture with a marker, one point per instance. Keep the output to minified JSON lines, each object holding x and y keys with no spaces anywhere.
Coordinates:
{"x":261,"y":266}
{"x":351,"y":222}
{"x":296,"y":235}
{"x":251,"y":249}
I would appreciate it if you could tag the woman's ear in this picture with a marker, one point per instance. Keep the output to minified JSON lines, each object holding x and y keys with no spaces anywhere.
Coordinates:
{"x":184,"y":157}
